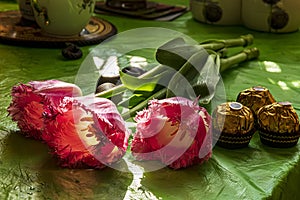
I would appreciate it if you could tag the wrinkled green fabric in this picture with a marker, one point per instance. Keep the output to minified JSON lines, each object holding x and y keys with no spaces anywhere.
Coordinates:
{"x":28,"y":171}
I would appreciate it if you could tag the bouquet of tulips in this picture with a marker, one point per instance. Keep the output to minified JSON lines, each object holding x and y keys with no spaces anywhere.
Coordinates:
{"x":171,"y":126}
{"x":196,"y":66}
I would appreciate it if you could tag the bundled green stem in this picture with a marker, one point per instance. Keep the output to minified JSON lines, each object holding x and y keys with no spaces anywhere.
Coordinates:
{"x":245,"y":55}
{"x":216,"y":45}
{"x":177,"y":52}
{"x":186,"y":59}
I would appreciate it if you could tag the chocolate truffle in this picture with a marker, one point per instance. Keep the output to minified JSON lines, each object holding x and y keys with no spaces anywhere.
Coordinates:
{"x":255,"y":98}
{"x":278,"y":125}
{"x":233,"y":125}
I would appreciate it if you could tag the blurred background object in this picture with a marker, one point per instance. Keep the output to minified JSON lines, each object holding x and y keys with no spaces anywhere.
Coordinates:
{"x":62,"y":18}
{"x":127,"y":4}
{"x":141,"y":9}
{"x":220,"y":12}
{"x":271,"y":15}
{"x":26,"y":10}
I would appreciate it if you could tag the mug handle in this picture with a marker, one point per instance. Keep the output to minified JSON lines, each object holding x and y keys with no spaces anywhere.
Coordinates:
{"x":41,"y":11}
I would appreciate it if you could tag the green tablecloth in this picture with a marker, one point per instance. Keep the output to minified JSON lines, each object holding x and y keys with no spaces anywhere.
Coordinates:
{"x":27,"y":171}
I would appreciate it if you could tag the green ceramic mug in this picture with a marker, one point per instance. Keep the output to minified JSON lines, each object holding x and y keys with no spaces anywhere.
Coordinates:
{"x":62,"y":18}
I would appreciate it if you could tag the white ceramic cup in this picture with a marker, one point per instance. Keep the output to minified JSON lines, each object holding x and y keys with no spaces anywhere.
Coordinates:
{"x":62,"y":18}
{"x":220,"y":12}
{"x":26,"y":9}
{"x":281,"y":16}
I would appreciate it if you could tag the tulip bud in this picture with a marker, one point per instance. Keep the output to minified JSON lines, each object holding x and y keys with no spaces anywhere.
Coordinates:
{"x":174,"y":131}
{"x":86,"y":132}
{"x":29,"y":100}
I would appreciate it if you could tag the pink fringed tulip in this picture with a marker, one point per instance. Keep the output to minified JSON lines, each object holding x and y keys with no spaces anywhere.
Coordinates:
{"x":28,"y":101}
{"x":86,"y":132}
{"x":175,"y":131}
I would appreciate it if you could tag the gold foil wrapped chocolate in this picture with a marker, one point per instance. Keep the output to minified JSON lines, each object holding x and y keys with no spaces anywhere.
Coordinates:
{"x":233,"y":125}
{"x":233,"y":118}
{"x":278,"y":118}
{"x":255,"y":98}
{"x":278,"y":125}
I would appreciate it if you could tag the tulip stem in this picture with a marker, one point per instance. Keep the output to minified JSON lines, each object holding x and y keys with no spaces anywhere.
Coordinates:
{"x":121,"y":88}
{"x":158,"y":95}
{"x":245,"y":55}
{"x":212,"y":47}
{"x":216,"y":45}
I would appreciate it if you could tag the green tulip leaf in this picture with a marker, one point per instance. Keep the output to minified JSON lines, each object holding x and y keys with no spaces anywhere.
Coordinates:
{"x":132,"y":101}
{"x":175,"y":53}
{"x":142,"y":84}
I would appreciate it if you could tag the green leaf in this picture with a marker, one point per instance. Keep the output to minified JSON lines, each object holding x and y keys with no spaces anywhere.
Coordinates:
{"x":142,"y":84}
{"x":119,"y":89}
{"x":132,"y":101}
{"x":175,"y":53}
{"x":157,"y":95}
{"x":201,"y":89}
{"x":187,"y":73}
{"x":137,"y":97}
